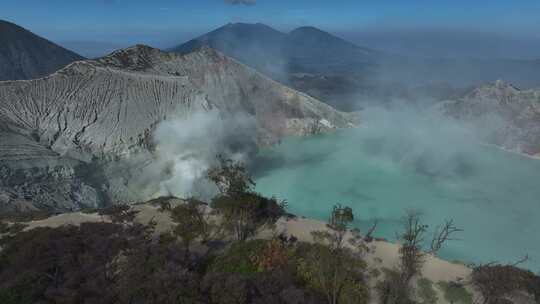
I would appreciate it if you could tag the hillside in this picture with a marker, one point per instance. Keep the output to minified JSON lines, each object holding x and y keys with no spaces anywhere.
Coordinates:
{"x":509,"y":116}
{"x":108,"y":109}
{"x":24,"y":55}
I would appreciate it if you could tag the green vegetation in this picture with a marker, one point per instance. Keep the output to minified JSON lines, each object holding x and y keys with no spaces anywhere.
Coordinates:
{"x":339,"y":275}
{"x":243,"y":211}
{"x":332,"y":268}
{"x":120,"y":263}
{"x":239,"y":258}
{"x":192,"y":223}
{"x":45,"y":264}
{"x":426,"y":292}
{"x":26,"y":216}
{"x":89,"y":210}
{"x":11,"y":228}
{"x":455,"y":293}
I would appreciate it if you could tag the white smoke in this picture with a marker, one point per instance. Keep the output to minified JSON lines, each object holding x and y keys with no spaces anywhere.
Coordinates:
{"x":187,"y":147}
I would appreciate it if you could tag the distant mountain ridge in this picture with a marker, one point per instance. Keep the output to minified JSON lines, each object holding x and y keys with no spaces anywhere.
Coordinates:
{"x":346,"y":75}
{"x":303,"y":50}
{"x":24,"y":55}
{"x":307,"y":59}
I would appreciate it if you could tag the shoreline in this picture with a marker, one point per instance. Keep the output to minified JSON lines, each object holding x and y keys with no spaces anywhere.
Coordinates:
{"x":512,"y":152}
{"x":380,"y":254}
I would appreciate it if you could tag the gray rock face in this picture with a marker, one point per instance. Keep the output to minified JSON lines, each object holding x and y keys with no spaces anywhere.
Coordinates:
{"x":33,"y":177}
{"x":24,"y":55}
{"x":97,"y":111}
{"x":511,"y":116}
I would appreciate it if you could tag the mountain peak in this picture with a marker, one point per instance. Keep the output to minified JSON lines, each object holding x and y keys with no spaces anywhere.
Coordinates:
{"x":137,"y":58}
{"x":235,"y":37}
{"x":495,"y":90}
{"x":312,"y":33}
{"x":323,"y":44}
{"x":501,"y":84}
{"x":24,"y":55}
{"x":142,"y":57}
{"x":308,"y":29}
{"x":135,"y":50}
{"x":259,"y":30}
{"x":246,"y":25}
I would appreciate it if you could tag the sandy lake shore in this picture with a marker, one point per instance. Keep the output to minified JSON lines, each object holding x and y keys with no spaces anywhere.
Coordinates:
{"x":380,"y":254}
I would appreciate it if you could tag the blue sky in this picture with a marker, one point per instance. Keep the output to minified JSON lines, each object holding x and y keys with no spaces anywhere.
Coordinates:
{"x":166,"y":22}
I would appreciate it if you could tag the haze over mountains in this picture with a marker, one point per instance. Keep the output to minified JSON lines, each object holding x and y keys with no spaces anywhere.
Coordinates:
{"x":24,"y":55}
{"x":341,"y":73}
{"x":300,"y":50}
{"x":447,"y":43}
{"x":295,"y":58}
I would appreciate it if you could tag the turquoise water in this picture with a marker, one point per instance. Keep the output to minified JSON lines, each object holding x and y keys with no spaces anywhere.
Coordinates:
{"x":493,"y":195}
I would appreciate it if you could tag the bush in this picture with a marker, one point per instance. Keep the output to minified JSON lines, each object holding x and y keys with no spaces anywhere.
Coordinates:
{"x":337,"y":274}
{"x":239,"y":258}
{"x":157,"y":272}
{"x":392,"y":289}
{"x":243,"y":214}
{"x":426,"y":292}
{"x":115,"y":263}
{"x":25,"y":289}
{"x":260,"y":288}
{"x":256,"y":271}
{"x":11,"y":229}
{"x":455,"y":293}
{"x":274,"y":255}
{"x":27,"y":216}
{"x":65,"y":264}
{"x":89,"y":210}
{"x":496,"y":282}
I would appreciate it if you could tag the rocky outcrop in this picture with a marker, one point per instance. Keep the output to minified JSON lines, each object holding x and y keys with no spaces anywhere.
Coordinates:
{"x":24,"y":55}
{"x":98,"y":111}
{"x":33,"y":177}
{"x":510,"y":117}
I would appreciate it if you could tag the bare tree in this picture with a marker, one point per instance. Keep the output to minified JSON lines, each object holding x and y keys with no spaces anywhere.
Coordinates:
{"x":339,"y":222}
{"x":369,"y":235}
{"x":231,"y":178}
{"x":396,"y":287}
{"x":411,"y":255}
{"x":242,"y":211}
{"x":442,"y":234}
{"x":498,"y":281}
{"x":332,"y":265}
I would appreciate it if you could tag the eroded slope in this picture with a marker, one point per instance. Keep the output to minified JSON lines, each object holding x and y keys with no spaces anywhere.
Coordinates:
{"x":107,"y":109}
